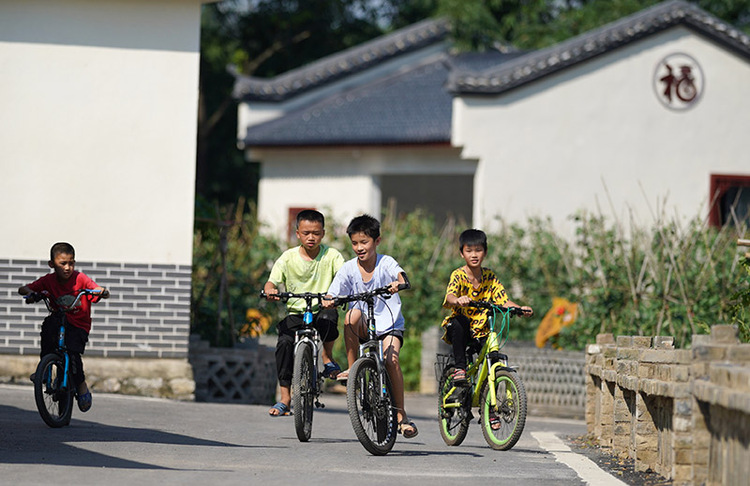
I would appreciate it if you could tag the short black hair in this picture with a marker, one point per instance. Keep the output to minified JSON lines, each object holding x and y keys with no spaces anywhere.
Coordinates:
{"x":472,"y":237}
{"x":311,"y":215}
{"x":61,"y":247}
{"x":364,"y":224}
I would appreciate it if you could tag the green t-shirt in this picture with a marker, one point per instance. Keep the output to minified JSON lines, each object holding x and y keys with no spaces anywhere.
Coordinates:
{"x":298,"y":275}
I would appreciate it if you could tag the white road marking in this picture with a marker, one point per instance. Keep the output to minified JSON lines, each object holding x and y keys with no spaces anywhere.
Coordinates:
{"x":586,"y":469}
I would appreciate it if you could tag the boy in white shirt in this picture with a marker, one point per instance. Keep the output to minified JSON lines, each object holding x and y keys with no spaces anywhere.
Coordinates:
{"x":368,"y":271}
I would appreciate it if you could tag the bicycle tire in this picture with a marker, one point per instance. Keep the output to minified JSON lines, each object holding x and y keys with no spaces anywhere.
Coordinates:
{"x":303,"y":392}
{"x":510,"y":415}
{"x":55,"y":404}
{"x":373,"y":418}
{"x":454,"y":422}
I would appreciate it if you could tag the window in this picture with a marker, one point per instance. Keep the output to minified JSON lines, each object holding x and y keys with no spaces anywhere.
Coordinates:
{"x":291,"y":231}
{"x":441,"y":196}
{"x":730,"y":200}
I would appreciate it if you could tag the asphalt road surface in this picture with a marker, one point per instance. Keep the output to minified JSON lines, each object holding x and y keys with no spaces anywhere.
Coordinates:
{"x":125,"y":440}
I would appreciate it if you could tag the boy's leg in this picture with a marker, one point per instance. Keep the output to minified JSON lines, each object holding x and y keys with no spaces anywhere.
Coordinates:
{"x":75,"y":340}
{"x":353,"y":327}
{"x":391,"y":350}
{"x":284,"y":361}
{"x":458,"y":333}
{"x":326,"y":322}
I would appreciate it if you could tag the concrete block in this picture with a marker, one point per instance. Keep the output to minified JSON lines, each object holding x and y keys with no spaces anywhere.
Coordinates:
{"x":642,"y":341}
{"x":624,"y":341}
{"x":663,"y":342}
{"x":739,"y":353}
{"x":646,"y":370}
{"x":709,"y":353}
{"x":629,"y":354}
{"x":724,"y":333}
{"x":605,"y":339}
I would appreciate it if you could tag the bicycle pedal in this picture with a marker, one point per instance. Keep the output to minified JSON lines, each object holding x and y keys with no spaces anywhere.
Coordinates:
{"x":320,"y":405}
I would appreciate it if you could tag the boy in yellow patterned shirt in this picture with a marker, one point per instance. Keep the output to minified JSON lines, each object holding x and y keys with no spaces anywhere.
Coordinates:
{"x":470,"y":283}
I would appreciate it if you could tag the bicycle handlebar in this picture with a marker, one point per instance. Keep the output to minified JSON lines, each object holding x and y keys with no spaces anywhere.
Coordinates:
{"x":284,"y":296}
{"x":385,"y":291}
{"x":481,"y":304}
{"x":34,"y":297}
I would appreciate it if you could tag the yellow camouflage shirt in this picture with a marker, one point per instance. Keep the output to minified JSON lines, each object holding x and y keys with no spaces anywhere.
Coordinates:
{"x":490,"y":290}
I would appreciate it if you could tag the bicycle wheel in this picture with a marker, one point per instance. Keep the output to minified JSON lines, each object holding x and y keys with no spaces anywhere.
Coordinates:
{"x":54,"y":402}
{"x":454,"y":420}
{"x":372,"y":414}
{"x":502,"y":426}
{"x":303,"y":391}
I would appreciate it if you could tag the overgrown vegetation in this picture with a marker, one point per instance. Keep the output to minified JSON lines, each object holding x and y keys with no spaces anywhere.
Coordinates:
{"x":668,"y":279}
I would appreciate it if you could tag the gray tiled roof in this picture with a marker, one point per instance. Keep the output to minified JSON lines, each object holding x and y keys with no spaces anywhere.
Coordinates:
{"x":414,"y":105}
{"x":345,"y":63}
{"x":410,"y":106}
{"x":586,"y":46}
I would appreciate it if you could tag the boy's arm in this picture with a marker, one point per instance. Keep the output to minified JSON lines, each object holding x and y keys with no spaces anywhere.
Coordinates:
{"x":24,"y":290}
{"x":452,"y":301}
{"x":271,"y":290}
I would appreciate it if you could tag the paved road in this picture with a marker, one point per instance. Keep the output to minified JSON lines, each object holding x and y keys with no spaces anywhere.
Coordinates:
{"x":131,"y":440}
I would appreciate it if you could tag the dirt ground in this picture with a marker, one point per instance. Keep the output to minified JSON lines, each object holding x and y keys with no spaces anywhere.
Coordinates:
{"x":620,"y":468}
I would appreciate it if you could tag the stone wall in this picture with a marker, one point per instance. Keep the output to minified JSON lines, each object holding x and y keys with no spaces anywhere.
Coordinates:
{"x":684,"y":414}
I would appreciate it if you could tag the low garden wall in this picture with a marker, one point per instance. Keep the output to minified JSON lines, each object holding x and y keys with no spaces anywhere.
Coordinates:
{"x":683,"y":413}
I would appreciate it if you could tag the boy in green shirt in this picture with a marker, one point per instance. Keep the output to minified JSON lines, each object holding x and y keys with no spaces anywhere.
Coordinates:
{"x":309,"y":267}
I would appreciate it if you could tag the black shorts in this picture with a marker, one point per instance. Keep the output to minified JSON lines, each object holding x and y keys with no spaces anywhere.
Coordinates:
{"x":397,"y":333}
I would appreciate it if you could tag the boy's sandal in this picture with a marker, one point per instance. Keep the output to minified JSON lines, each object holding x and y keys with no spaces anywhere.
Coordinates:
{"x":84,"y":401}
{"x":331,"y":370}
{"x":281,"y":409}
{"x":495,"y":422}
{"x":407,"y":429}
{"x":459,"y":376}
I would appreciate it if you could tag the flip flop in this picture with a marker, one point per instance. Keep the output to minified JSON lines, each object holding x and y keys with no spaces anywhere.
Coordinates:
{"x":84,"y":402}
{"x":343,"y":375}
{"x":331,"y":370}
{"x":282,"y":408}
{"x":407,"y":433}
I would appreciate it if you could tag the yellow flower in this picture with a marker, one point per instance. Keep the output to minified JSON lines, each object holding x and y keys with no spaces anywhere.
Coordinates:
{"x":256,"y":324}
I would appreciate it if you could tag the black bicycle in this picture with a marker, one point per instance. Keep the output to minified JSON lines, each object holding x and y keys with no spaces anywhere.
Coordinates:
{"x":307,"y":380}
{"x":369,"y":398}
{"x":54,"y":390}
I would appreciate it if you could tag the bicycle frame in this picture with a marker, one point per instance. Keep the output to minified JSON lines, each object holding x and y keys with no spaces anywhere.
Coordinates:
{"x":308,"y":334}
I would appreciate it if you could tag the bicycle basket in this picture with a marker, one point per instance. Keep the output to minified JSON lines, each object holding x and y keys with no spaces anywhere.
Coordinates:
{"x":441,"y":361}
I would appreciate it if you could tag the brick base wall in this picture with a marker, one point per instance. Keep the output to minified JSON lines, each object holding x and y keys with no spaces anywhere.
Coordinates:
{"x":147,"y":316}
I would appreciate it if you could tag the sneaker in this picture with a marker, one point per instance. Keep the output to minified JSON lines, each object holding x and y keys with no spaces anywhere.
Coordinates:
{"x":84,"y":401}
{"x":459,"y":376}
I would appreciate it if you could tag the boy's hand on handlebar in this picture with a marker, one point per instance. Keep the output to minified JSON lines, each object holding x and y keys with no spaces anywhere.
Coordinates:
{"x":394,"y":287}
{"x":527,"y":311}
{"x":327,"y":302}
{"x":32,"y":298}
{"x":272,"y":294}
{"x":463,"y":301}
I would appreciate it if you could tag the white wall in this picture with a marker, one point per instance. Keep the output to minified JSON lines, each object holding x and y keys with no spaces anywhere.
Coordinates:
{"x":98,"y":128}
{"x":342,"y":183}
{"x":549,"y":148}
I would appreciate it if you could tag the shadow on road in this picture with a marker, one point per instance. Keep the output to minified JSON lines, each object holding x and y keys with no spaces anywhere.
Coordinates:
{"x":25,"y":439}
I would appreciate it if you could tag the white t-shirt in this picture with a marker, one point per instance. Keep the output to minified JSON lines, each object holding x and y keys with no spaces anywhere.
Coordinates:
{"x":348,"y":280}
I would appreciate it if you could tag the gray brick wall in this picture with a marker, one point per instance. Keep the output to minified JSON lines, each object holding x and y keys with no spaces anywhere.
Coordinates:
{"x":147,"y":316}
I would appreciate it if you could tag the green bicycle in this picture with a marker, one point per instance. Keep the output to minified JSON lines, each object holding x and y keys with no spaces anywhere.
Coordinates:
{"x":492,"y":386}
